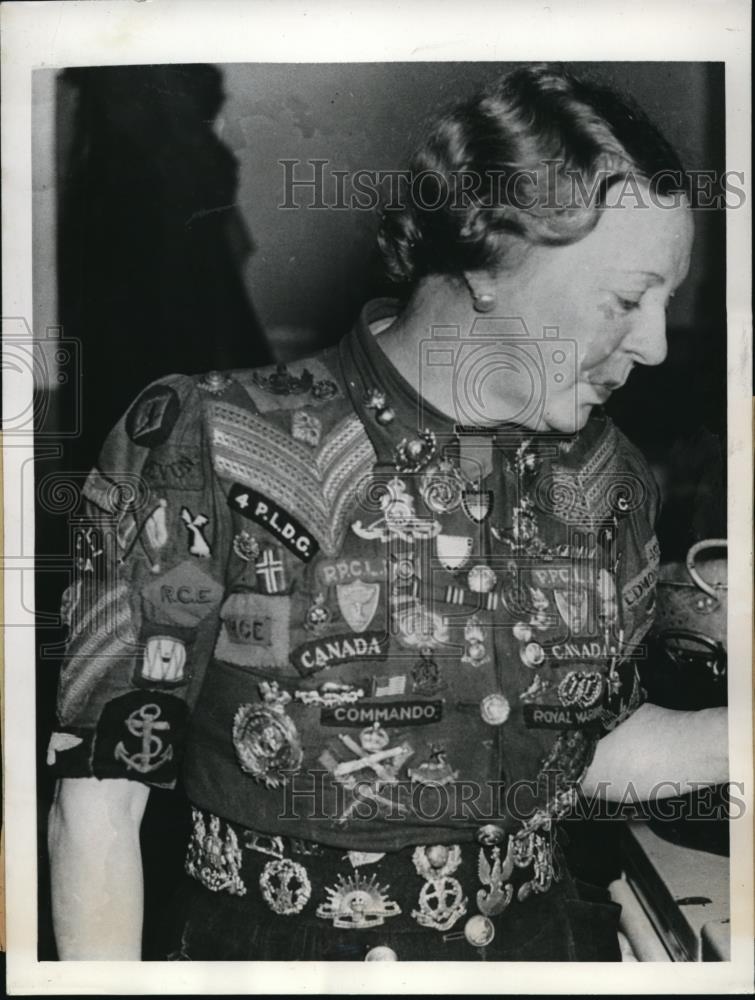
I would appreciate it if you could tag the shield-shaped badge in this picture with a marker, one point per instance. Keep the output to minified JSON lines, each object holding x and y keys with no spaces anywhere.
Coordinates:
{"x":453,"y":550}
{"x":358,"y":602}
{"x":477,"y":504}
{"x":572,"y":606}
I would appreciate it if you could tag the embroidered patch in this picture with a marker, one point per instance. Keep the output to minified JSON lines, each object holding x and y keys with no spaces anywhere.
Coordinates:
{"x":175,"y":468}
{"x":558,"y":717}
{"x":321,"y":653}
{"x":397,"y":713}
{"x":195,"y":525}
{"x":306,"y":427}
{"x":643,"y":584}
{"x":153,"y":416}
{"x":358,"y":602}
{"x":318,"y":487}
{"x":139,"y":733}
{"x":164,"y":660}
{"x":333,"y":571}
{"x":254,"y":630}
{"x":184,"y":596}
{"x":263,"y":511}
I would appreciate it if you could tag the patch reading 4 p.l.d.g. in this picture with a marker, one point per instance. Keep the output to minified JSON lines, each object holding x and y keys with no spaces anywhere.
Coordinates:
{"x":254,"y":630}
{"x":265,"y":512}
{"x":175,"y":468}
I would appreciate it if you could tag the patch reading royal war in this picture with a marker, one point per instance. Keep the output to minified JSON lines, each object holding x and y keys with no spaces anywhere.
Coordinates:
{"x":264,"y":511}
{"x":397,"y":713}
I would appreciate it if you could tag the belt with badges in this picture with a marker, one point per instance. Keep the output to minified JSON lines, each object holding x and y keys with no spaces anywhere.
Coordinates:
{"x":358,"y":899}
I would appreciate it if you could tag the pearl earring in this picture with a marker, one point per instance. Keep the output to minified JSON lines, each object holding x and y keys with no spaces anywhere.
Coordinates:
{"x":483,"y":303}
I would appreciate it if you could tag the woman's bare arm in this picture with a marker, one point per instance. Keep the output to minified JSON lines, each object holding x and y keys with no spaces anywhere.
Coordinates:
{"x":660,"y":752}
{"x":96,"y":868}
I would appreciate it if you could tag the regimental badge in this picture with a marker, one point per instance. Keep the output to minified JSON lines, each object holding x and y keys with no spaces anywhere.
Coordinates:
{"x":146,"y":725}
{"x":417,"y":627}
{"x":153,"y":416}
{"x":164,"y":660}
{"x":453,"y":550}
{"x":137,"y":734}
{"x":264,"y":511}
{"x":398,"y":520}
{"x":477,"y":504}
{"x":475,"y":653}
{"x":535,"y":850}
{"x":357,"y":902}
{"x":581,"y":688}
{"x":285,"y":886}
{"x":427,"y":675}
{"x":536,"y":690}
{"x":495,"y":875}
{"x":266,"y":740}
{"x":609,"y":605}
{"x":358,"y":602}
{"x":330,"y":695}
{"x":215,"y":383}
{"x":481,"y":579}
{"x":441,"y":487}
{"x":434,"y":771}
{"x":318,"y":615}
{"x":572,"y":606}
{"x":412,"y":455}
{"x":371,"y":772}
{"x":281,"y":382}
{"x":212,"y":859}
{"x":441,"y":899}
{"x":306,"y":427}
{"x":246,"y":546}
{"x":156,"y":532}
{"x":198,"y":545}
{"x":495,"y":709}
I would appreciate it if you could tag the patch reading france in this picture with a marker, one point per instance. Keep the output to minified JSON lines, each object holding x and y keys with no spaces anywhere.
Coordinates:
{"x":397,"y":713}
{"x":152,"y":417}
{"x":322,"y":653}
{"x":254,"y":630}
{"x":265,"y":512}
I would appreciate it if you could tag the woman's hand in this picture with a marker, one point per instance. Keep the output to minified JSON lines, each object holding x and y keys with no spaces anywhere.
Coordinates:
{"x":658,"y":753}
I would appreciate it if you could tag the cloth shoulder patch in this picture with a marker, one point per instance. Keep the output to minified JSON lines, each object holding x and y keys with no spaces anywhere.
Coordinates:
{"x":254,"y":630}
{"x":140,"y":735}
{"x":153,"y":416}
{"x":184,"y":596}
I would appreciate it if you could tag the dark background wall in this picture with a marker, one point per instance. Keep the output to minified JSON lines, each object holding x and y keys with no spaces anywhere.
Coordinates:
{"x":174,"y":256}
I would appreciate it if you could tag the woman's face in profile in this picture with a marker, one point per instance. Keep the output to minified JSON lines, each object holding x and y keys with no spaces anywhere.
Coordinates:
{"x":607,"y":296}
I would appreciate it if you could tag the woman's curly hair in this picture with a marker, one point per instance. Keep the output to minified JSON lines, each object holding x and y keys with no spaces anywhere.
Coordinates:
{"x":527,"y":160}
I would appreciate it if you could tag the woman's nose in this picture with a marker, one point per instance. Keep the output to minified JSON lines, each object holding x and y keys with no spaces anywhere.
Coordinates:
{"x":647,"y":340}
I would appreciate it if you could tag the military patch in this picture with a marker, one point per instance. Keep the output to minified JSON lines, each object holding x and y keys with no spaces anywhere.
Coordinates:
{"x":418,"y":627}
{"x":396,"y":713}
{"x":195,"y":525}
{"x":184,"y":596}
{"x":572,"y":606}
{"x":642,"y":585}
{"x":284,"y":387}
{"x":254,"y":630}
{"x":270,"y":572}
{"x":582,"y":688}
{"x":306,"y":427}
{"x":358,"y":602}
{"x":333,"y":571}
{"x":265,"y":512}
{"x":318,"y":654}
{"x":140,"y":734}
{"x":385,"y":687}
{"x":559,"y":717}
{"x":175,"y":468}
{"x":318,"y":486}
{"x":153,"y":416}
{"x":477,"y":504}
{"x":164,"y":660}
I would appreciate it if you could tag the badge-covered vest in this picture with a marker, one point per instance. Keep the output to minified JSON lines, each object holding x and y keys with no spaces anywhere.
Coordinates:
{"x":404,"y":654}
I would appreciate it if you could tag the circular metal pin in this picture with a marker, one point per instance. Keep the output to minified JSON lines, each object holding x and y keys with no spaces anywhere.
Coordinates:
{"x":381,"y":953}
{"x":481,"y":579}
{"x":522,"y":632}
{"x":495,"y":709}
{"x":491,"y":835}
{"x":479,"y":931}
{"x":532,"y":654}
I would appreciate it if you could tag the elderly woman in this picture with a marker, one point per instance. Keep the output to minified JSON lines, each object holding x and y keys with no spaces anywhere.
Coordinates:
{"x":383,"y":606}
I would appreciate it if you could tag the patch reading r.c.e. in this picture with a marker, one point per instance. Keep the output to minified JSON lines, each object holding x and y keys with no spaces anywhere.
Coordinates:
{"x":153,"y":416}
{"x":265,"y":512}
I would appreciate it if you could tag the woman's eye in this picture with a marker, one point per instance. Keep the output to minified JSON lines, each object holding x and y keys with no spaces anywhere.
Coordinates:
{"x":627,"y":305}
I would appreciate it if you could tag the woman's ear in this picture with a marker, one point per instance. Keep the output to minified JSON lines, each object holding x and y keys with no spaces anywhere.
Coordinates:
{"x":482,"y":290}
